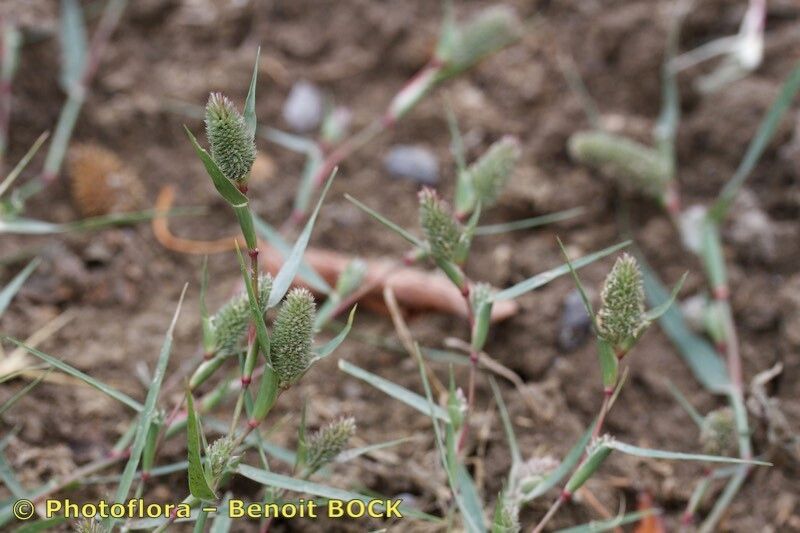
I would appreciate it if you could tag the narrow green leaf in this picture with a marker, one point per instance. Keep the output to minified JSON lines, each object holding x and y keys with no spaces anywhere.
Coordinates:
{"x":569,"y":462}
{"x":73,"y":44}
{"x":587,"y":304}
{"x":8,"y":404}
{"x":326,"y":349}
{"x":412,"y":399}
{"x":546,"y":277}
{"x":712,"y":255}
{"x":27,"y":226}
{"x":386,"y":222}
{"x":679,"y":456}
{"x":205,"y":319}
{"x":14,"y":174}
{"x":148,"y":412}
{"x":658,"y":311}
{"x":349,"y":455}
{"x":766,"y":130}
{"x":245,"y":218}
{"x":199,"y":485}
{"x":473,"y":522}
{"x":287,"y":273}
{"x":224,"y":186}
{"x":271,"y":479}
{"x":255,"y":313}
{"x":9,"y":291}
{"x":528,"y":223}
{"x":684,"y":402}
{"x":516,"y":456}
{"x":273,"y":237}
{"x":470,"y":501}
{"x":250,"y":120}
{"x":701,"y":357}
{"x":609,"y":364}
{"x":10,"y":480}
{"x":41,"y":525}
{"x":89,"y":380}
{"x":612,"y":523}
{"x":222,"y":520}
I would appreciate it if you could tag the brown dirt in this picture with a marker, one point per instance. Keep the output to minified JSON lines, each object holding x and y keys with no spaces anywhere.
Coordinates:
{"x":121,"y":286}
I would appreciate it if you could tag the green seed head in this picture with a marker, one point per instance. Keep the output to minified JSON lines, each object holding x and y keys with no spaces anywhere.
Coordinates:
{"x":232,"y":147}
{"x":220,"y":456}
{"x":328,"y":442}
{"x":351,"y":277}
{"x":441,"y":229}
{"x":490,"y":173}
{"x":718,"y":434}
{"x":632,"y":164}
{"x":230,"y":322}
{"x":621,"y":319}
{"x":528,"y":475}
{"x":506,"y":516}
{"x":462,"y":46}
{"x":292,"y":336}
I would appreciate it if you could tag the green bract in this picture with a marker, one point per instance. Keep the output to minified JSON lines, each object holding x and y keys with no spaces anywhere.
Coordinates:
{"x":232,"y":147}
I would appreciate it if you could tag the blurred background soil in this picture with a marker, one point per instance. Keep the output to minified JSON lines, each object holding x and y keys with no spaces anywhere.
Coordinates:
{"x":120,"y":286}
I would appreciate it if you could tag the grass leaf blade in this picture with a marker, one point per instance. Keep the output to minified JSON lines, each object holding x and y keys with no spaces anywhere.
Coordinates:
{"x":386,"y":222}
{"x":74,"y":44}
{"x":538,"y":280}
{"x":701,"y":357}
{"x":328,"y":348}
{"x":287,"y":273}
{"x":412,"y":399}
{"x":271,"y":479}
{"x":529,"y":223}
{"x":766,"y":130}
{"x":630,"y":449}
{"x":74,"y":372}
{"x":13,"y":287}
{"x":250,"y":120}
{"x":148,"y":412}
{"x":198,"y":484}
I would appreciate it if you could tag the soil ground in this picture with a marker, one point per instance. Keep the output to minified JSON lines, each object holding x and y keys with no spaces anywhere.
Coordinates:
{"x":120,"y":286}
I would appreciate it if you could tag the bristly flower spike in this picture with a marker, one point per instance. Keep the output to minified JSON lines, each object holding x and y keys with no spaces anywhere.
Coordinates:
{"x":485,"y":179}
{"x":621,"y":319}
{"x":232,"y":147}
{"x":328,"y":442}
{"x":292,"y":336}
{"x":440,"y":228}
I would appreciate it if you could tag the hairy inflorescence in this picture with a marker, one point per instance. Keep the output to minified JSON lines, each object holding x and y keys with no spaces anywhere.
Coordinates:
{"x":232,"y":147}
{"x":621,"y":318}
{"x":292,"y":336}
{"x":328,"y":442}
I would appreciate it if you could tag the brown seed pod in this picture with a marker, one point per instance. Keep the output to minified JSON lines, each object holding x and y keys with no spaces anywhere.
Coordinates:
{"x":100,"y":183}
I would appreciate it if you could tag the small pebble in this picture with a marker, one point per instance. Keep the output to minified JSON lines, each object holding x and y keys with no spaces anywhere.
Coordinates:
{"x":304,"y":107}
{"x":575,"y":323}
{"x":413,"y":163}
